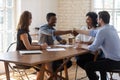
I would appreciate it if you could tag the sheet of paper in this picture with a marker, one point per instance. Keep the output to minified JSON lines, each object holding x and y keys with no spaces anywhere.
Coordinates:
{"x":56,"y":49}
{"x":30,"y":52}
{"x":60,"y":45}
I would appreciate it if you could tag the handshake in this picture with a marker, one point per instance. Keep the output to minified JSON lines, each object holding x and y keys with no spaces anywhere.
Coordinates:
{"x":74,"y":32}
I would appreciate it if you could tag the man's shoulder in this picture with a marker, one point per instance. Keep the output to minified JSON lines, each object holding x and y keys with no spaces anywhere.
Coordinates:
{"x":44,"y":26}
{"x":103,"y":30}
{"x":105,"y":27}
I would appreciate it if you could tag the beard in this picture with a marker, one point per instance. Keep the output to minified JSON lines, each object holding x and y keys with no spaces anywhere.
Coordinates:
{"x":99,"y":25}
{"x":54,"y":24}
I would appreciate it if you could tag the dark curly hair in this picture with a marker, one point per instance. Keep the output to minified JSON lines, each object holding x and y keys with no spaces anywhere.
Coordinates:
{"x":93,"y":16}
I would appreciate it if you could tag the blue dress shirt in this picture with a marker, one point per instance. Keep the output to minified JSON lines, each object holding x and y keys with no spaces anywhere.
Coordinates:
{"x":46,"y":35}
{"x":108,"y":40}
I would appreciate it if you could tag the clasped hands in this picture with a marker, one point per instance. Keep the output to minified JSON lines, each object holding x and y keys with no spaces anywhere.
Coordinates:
{"x":74,"y":32}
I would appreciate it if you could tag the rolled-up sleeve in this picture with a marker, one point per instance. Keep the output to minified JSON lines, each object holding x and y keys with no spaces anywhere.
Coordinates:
{"x":93,"y":33}
{"x":58,"y":38}
{"x":47,"y":31}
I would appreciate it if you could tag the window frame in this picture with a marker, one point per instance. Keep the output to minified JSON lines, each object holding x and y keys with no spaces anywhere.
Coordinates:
{"x":113,"y":10}
{"x":5,"y":32}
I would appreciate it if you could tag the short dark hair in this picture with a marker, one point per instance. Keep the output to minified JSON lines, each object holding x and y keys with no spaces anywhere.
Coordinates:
{"x":105,"y":16}
{"x":50,"y":15}
{"x":93,"y":16}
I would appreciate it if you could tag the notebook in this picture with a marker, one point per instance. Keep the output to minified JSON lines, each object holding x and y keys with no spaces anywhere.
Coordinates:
{"x":60,"y":45}
{"x":56,"y":49}
{"x":30,"y":52}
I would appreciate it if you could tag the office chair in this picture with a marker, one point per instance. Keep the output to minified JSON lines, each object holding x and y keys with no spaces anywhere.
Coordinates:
{"x":112,"y":72}
{"x":20,"y":70}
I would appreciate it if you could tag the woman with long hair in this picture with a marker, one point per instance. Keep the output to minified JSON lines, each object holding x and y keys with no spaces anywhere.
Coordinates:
{"x":24,"y":40}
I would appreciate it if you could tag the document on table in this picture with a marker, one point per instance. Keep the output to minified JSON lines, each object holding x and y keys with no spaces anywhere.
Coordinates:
{"x":30,"y":52}
{"x":56,"y":49}
{"x":60,"y":45}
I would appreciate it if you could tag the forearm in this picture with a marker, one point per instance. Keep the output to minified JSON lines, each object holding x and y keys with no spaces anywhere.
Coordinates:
{"x":84,"y":46}
{"x":34,"y":43}
{"x":41,"y":47}
{"x":88,"y":43}
{"x":34,"y":47}
{"x":83,"y":32}
{"x":62,"y":32}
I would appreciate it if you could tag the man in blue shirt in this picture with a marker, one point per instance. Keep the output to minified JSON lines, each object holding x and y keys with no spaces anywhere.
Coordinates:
{"x":48,"y":34}
{"x":108,"y":40}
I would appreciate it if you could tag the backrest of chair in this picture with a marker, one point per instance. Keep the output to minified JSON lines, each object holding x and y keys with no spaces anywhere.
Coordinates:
{"x":11,"y":47}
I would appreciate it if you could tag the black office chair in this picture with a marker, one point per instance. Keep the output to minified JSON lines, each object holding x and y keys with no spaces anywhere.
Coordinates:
{"x":20,"y":70}
{"x":112,"y":72}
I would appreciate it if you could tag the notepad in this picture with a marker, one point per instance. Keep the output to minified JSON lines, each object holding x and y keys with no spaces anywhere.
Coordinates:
{"x":60,"y":45}
{"x":30,"y":52}
{"x":56,"y":49}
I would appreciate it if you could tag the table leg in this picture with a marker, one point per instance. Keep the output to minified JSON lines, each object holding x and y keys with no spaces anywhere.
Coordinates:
{"x":42,"y":72}
{"x":7,"y":70}
{"x":55,"y":75}
{"x":66,"y":72}
{"x":65,"y":68}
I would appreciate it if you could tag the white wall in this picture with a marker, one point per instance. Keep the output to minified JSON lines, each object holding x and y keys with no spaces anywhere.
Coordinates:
{"x":70,"y":13}
{"x":39,"y":9}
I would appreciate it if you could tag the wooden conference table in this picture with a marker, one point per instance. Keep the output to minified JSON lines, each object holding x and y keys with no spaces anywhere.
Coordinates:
{"x":34,"y":59}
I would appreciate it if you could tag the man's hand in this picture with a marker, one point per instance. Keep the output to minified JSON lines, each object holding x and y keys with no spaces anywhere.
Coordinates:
{"x":81,"y":46}
{"x":44,"y":46}
{"x":77,"y":45}
{"x":63,"y":41}
{"x":75,"y":33}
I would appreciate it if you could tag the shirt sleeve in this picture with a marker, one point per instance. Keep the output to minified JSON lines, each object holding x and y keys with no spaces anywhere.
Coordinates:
{"x":78,"y":38}
{"x":99,"y":40}
{"x":93,"y":33}
{"x":47,"y":31}
{"x":58,"y":38}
